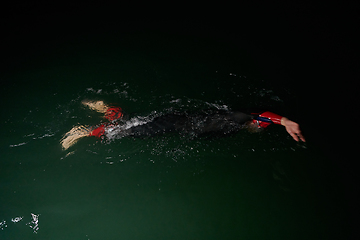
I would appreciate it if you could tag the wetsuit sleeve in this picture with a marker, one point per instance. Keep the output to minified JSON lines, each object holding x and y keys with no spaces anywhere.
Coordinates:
{"x":98,"y":132}
{"x":272,"y":117}
{"x":266,"y":118}
{"x":113,"y":113}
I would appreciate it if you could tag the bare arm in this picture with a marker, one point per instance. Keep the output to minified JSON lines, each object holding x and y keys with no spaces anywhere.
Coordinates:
{"x":72,"y":136}
{"x":98,"y":106}
{"x":293,"y":129}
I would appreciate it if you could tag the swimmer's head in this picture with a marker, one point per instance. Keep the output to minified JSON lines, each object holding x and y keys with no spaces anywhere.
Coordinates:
{"x":253,"y":127}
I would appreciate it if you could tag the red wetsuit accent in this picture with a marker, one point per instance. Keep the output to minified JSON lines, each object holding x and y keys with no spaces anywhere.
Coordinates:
{"x":272,"y":116}
{"x":111,"y":114}
{"x":98,"y":132}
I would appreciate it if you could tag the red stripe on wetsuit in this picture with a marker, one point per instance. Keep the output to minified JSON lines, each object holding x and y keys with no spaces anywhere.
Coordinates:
{"x":269,"y":115}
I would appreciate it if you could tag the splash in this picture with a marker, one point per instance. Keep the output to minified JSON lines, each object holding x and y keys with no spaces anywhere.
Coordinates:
{"x":16,"y":219}
{"x":3,"y":225}
{"x":17,"y":145}
{"x":34,"y":224}
{"x":121,"y":130}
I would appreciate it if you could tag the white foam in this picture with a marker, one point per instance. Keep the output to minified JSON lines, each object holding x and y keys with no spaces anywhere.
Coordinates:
{"x":34,"y":224}
{"x":218,"y":106}
{"x":112,"y":132}
{"x":16,"y":219}
{"x":3,"y":224}
{"x":18,"y":145}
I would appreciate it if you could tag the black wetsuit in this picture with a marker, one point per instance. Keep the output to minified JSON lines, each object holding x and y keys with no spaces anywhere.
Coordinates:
{"x":204,"y":123}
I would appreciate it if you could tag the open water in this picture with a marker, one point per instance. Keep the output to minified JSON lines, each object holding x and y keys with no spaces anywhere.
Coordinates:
{"x":244,"y":186}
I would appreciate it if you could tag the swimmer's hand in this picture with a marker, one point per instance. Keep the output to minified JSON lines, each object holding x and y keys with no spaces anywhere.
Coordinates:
{"x":74,"y":135}
{"x":98,"y":106}
{"x":293,"y":129}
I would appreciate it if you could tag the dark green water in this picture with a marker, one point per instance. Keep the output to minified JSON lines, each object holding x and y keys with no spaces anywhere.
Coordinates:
{"x":245,"y":186}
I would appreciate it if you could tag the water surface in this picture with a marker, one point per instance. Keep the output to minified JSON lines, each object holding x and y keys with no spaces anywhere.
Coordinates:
{"x":244,"y":186}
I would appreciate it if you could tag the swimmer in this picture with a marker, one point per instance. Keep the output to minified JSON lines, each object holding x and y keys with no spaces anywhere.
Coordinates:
{"x":205,"y":122}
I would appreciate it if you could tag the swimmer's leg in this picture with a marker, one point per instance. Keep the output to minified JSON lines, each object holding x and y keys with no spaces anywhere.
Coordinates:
{"x":72,"y":136}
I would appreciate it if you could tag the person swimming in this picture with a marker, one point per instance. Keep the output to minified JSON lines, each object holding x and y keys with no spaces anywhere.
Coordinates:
{"x":205,"y":122}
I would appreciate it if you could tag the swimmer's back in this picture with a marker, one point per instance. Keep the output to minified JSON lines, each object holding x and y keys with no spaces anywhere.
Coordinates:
{"x":206,"y":122}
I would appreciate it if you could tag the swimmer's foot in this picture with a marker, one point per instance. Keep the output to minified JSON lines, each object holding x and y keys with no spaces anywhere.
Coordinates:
{"x":98,"y":106}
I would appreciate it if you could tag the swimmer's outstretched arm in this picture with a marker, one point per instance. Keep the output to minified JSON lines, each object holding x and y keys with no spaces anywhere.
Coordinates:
{"x":74,"y":135}
{"x":111,"y":113}
{"x":266,"y":118}
{"x":78,"y":132}
{"x":98,"y":106}
{"x":293,"y":129}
